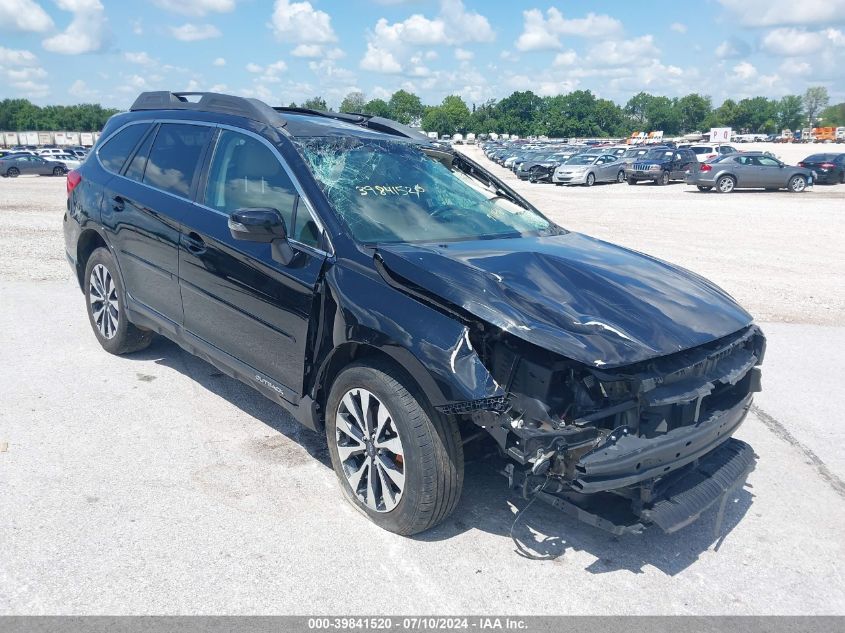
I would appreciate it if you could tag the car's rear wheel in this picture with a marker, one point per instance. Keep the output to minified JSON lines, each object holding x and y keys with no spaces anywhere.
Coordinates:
{"x":725,"y":184}
{"x":620,"y":177}
{"x":704,"y":188}
{"x":58,"y":171}
{"x":398,"y":462}
{"x":13,"y":172}
{"x":591,"y":179}
{"x":797,"y":184}
{"x":104,"y":297}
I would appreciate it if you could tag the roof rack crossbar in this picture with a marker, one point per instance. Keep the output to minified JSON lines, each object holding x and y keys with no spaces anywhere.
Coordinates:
{"x":209,"y":102}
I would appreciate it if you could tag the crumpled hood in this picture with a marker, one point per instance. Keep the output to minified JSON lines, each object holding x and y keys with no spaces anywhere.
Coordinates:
{"x":588,"y":300}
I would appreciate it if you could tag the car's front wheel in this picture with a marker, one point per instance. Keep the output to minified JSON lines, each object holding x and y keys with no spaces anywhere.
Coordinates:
{"x":797,"y":184}
{"x":664,"y":179}
{"x":725,"y":184}
{"x":632,"y":181}
{"x":398,"y":462}
{"x":591,"y":179}
{"x":104,"y":297}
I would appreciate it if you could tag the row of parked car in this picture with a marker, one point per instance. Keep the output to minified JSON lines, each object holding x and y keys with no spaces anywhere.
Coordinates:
{"x":710,"y":167}
{"x":44,"y":161}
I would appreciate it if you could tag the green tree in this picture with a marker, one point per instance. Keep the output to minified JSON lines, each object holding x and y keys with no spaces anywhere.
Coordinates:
{"x":834,"y":115}
{"x":790,"y":113}
{"x":661,"y":114}
{"x":693,"y":110}
{"x":353,"y":102}
{"x":815,"y":100}
{"x":405,"y":107}
{"x":457,"y":112}
{"x":377,"y":107}
{"x":516,"y":114}
{"x":637,"y":108}
{"x":315,"y":103}
{"x":435,"y":119}
{"x":752,"y":114}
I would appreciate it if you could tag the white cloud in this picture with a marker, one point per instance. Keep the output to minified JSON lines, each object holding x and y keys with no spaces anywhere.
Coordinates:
{"x":140,"y":57}
{"x":380,"y":61}
{"x":307,"y":50}
{"x":301,"y":22}
{"x":541,"y":33}
{"x":16,"y":57}
{"x":623,"y":52}
{"x":189,"y":32}
{"x":269,"y":73}
{"x":253,"y":68}
{"x":390,"y":45}
{"x":24,"y":15}
{"x":86,"y":32}
{"x":732,"y":47}
{"x":792,"y":42}
{"x":196,"y":8}
{"x":566,"y":59}
{"x":463,"y":55}
{"x":80,"y":90}
{"x":745,"y":71}
{"x":220,"y":61}
{"x":785,"y":12}
{"x":678,"y":27}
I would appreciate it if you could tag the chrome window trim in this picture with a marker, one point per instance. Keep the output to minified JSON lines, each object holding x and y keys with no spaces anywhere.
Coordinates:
{"x":304,"y":198}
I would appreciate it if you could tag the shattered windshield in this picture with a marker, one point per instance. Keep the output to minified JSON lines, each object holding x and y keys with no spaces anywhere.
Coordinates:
{"x":393,"y":191}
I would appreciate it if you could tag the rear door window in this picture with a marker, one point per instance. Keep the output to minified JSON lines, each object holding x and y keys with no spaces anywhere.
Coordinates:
{"x":118,"y":148}
{"x":135,"y":170}
{"x":175,"y":156}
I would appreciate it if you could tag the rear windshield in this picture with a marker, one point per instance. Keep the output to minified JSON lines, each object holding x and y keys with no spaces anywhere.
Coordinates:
{"x":820,"y":158}
{"x":703,"y":149}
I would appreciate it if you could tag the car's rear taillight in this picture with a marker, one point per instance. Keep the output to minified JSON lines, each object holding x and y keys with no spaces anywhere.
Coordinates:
{"x":73,"y":179}
{"x":705,"y":167}
{"x":826,"y":165}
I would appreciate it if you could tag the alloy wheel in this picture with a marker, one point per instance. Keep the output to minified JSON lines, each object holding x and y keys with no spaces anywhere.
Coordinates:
{"x":104,"y":307}
{"x":620,"y":177}
{"x":370,"y":450}
{"x":13,"y":172}
{"x":726,"y":184}
{"x":798,"y":184}
{"x":591,"y":179}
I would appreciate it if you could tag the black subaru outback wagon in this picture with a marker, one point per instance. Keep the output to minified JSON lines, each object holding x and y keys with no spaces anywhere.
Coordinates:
{"x":397,"y":296}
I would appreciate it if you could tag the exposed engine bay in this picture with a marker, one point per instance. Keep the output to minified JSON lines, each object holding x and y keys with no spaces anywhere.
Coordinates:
{"x":624,"y":447}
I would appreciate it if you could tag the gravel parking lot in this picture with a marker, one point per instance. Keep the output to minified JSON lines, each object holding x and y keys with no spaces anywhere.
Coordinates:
{"x":154,"y":484}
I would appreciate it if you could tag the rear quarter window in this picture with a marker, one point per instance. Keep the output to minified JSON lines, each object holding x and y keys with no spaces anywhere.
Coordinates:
{"x":116,"y":150}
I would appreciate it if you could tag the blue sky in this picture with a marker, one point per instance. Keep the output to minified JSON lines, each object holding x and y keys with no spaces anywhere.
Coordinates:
{"x":107,"y":51}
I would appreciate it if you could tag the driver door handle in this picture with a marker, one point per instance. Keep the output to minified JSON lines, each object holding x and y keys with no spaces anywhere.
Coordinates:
{"x":194,"y":243}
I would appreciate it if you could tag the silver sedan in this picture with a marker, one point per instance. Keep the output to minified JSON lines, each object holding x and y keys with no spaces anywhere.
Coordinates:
{"x":588,"y":169}
{"x":19,"y":164}
{"x":749,"y":170}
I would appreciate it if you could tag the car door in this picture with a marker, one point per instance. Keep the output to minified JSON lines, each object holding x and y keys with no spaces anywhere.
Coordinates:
{"x":772,"y":173}
{"x":236,"y":296}
{"x":608,"y":165}
{"x":143,"y":207}
{"x":744,"y":169}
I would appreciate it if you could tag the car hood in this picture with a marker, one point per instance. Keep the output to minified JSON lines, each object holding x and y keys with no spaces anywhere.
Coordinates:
{"x":588,"y":300}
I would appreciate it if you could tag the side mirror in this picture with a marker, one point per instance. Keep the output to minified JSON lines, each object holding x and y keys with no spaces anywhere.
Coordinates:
{"x":264,"y":225}
{"x":258,"y":224}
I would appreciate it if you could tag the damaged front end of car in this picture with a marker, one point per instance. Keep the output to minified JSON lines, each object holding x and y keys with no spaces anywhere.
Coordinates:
{"x":649,"y":443}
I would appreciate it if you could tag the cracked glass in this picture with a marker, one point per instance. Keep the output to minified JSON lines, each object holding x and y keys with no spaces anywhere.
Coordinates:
{"x":392,"y":191}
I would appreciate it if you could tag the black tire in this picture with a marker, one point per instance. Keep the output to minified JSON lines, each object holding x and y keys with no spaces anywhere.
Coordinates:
{"x":704,"y":188}
{"x":13,"y":172}
{"x":663,"y":180}
{"x":433,"y":459}
{"x":620,"y":177}
{"x":797,"y":184}
{"x":842,"y":177}
{"x":725,"y":184}
{"x":631,"y":181}
{"x":59,"y":171}
{"x":125,"y":337}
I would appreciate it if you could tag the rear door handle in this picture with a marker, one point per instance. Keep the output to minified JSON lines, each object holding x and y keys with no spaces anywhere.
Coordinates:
{"x":194,"y":243}
{"x":118,"y":203}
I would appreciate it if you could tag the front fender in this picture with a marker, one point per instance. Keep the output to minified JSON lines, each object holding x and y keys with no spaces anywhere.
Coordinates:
{"x":432,"y":347}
